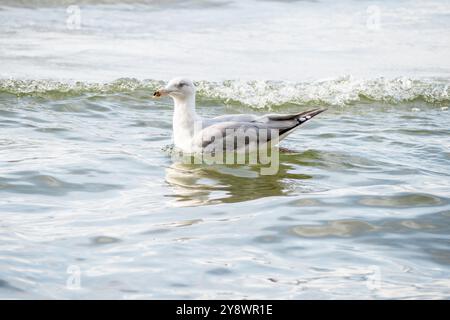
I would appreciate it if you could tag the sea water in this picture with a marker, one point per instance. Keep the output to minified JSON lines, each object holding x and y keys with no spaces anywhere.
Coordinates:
{"x":92,"y":205}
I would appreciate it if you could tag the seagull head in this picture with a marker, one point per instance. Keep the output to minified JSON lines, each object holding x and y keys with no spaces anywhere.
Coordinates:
{"x":178,"y":88}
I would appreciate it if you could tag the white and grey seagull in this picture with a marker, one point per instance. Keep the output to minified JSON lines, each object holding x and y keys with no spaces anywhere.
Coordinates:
{"x":192,"y":133}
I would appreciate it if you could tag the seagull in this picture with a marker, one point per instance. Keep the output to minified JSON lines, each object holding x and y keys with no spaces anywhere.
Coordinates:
{"x":193,"y":134}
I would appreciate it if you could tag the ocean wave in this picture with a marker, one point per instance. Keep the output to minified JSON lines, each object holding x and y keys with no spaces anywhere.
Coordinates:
{"x":259,"y":94}
{"x":332,"y":92}
{"x":53,"y":88}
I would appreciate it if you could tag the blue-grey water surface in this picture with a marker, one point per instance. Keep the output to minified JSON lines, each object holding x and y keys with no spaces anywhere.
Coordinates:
{"x":92,"y":205}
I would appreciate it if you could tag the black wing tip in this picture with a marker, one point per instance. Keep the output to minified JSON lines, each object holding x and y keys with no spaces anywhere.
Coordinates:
{"x":316,"y":111}
{"x":308,"y":115}
{"x":304,"y":117}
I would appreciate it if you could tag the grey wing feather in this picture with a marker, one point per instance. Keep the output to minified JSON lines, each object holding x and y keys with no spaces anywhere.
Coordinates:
{"x":288,"y":122}
{"x":221,"y":130}
{"x":230,"y":117}
{"x":219,"y":127}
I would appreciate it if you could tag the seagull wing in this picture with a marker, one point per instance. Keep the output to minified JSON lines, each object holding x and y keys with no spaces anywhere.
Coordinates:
{"x":229,"y":118}
{"x":286,"y":123}
{"x":258,"y":130}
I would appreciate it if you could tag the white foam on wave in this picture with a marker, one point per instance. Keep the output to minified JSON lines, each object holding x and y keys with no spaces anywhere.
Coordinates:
{"x":260,"y":94}
{"x":340,"y":91}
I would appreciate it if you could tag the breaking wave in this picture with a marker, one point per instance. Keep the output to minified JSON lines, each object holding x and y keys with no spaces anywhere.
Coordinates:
{"x":259,"y":94}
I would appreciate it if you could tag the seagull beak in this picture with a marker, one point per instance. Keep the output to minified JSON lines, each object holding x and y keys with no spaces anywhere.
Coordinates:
{"x":160,"y":93}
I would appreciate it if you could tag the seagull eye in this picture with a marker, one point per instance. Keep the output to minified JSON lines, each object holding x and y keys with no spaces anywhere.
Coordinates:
{"x":181,"y":84}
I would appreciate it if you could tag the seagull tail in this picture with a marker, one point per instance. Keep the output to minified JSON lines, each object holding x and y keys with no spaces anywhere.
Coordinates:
{"x":301,"y":118}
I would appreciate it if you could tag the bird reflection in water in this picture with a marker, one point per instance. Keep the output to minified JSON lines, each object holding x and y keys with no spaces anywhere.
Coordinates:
{"x":201,"y":184}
